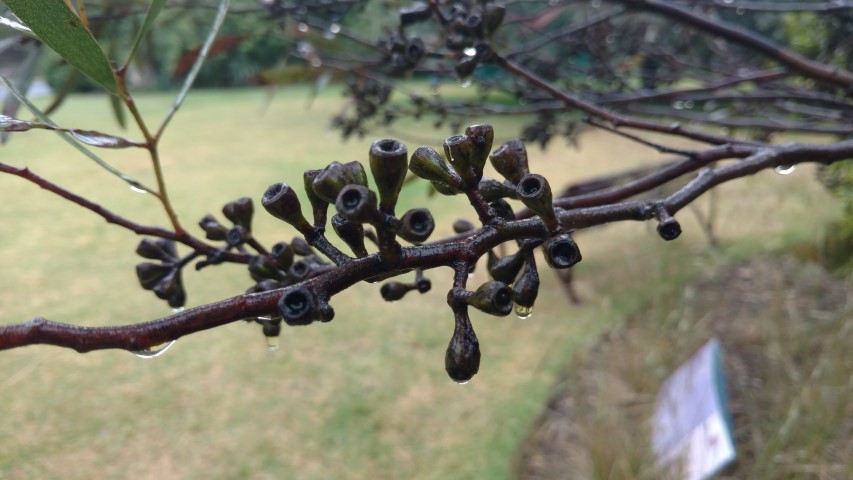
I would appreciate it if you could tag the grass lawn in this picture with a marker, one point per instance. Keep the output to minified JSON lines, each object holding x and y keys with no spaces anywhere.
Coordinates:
{"x":365,"y":396}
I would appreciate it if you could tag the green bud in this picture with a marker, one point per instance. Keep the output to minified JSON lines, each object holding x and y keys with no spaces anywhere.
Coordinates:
{"x":319,"y":207}
{"x":561,"y":251}
{"x":481,"y":138}
{"x":428,"y":164}
{"x":388,"y":164}
{"x":462,"y":359}
{"x":533,"y":190}
{"x":351,"y":233}
{"x":282,"y":203}
{"x":510,"y":160}
{"x":357,"y":203}
{"x":301,"y":247}
{"x":298,"y":306}
{"x":506,"y":269}
{"x":416,"y":225}
{"x":462,"y":157}
{"x":240,"y":212}
{"x":329,"y":182}
{"x":160,"y":249}
{"x":494,"y":298}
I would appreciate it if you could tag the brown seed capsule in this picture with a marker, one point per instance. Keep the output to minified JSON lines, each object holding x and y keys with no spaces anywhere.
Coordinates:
{"x":416,"y":225}
{"x":561,"y":251}
{"x":298,"y":306}
{"x":494,"y":298}
{"x":388,"y":164}
{"x":462,"y":359}
{"x":240,"y":212}
{"x":282,"y":203}
{"x":357,"y":203}
{"x":510,"y":160}
{"x":534,"y":191}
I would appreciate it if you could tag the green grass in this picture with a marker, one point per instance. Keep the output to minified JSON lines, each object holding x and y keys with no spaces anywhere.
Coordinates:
{"x":365,"y":396}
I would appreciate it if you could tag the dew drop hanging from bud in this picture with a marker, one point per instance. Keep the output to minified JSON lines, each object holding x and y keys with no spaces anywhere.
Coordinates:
{"x":464,"y":382}
{"x":465,"y":83}
{"x":522,"y":312}
{"x":785,"y":169}
{"x":177,"y":309}
{"x":272,"y":343}
{"x":153,"y":351}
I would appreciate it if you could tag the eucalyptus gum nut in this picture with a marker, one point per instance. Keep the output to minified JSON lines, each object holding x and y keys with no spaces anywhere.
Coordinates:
{"x":506,"y":269}
{"x":240,"y":212}
{"x":428,"y":164}
{"x":503,"y":210}
{"x":493,"y":190}
{"x":417,"y":12}
{"x":393,"y":291}
{"x":168,"y":285}
{"x":461,"y":226}
{"x":213,"y":230}
{"x":149,"y":274}
{"x":669,"y":229}
{"x":282,"y":203}
{"x":271,"y":329}
{"x":527,"y":287}
{"x":465,"y":67}
{"x":388,"y":164}
{"x":263,"y":267}
{"x":494,"y":298}
{"x":298,"y":306}
{"x":534,"y":191}
{"x":235,"y":236}
{"x":283,"y":255}
{"x":561,"y":251}
{"x":332,"y":179}
{"x":462,"y":359}
{"x":493,"y":17}
{"x":414,"y":50}
{"x":445,"y":189}
{"x":319,"y":207}
{"x":423,"y":285}
{"x":299,"y":270}
{"x":301,"y":247}
{"x":510,"y":160}
{"x":481,"y":138}
{"x":351,"y":233}
{"x":416,"y":225}
{"x":356,"y":203}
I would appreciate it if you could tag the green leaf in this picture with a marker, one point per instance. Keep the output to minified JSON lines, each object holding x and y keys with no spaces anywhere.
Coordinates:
{"x":16,"y":26}
{"x":98,"y":139}
{"x":153,"y":11}
{"x":61,"y":30}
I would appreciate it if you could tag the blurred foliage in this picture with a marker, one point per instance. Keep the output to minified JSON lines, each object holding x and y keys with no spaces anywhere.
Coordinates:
{"x":838,"y":241}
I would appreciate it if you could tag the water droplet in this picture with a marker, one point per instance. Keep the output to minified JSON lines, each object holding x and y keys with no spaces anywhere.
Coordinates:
{"x":303,"y":27}
{"x":335,"y":28}
{"x":470,"y":51}
{"x":678,"y":104}
{"x":785,"y":169}
{"x":688,"y":104}
{"x":465,"y":382}
{"x":316,"y":62}
{"x":523,"y":313}
{"x":465,"y":83}
{"x":153,"y":351}
{"x":264,"y":319}
{"x":136,"y":189}
{"x":178,"y":310}
{"x":272,"y":343}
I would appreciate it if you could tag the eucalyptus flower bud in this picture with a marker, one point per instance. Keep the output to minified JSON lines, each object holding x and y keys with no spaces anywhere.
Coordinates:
{"x":533,"y":190}
{"x":445,"y":189}
{"x":357,"y":203}
{"x":423,"y":285}
{"x":503,"y":210}
{"x":283,"y":255}
{"x":461,"y":155}
{"x":493,"y":190}
{"x":388,"y":164}
{"x":494,"y":298}
{"x":462,"y":359}
{"x":213,"y":230}
{"x":159,"y":249}
{"x":282,"y":203}
{"x":298,"y":306}
{"x":428,"y":164}
{"x":527,"y":287}
{"x":332,"y":179}
{"x":561,"y":251}
{"x":149,"y":274}
{"x":393,"y":290}
{"x":319,"y":207}
{"x":461,"y":226}
{"x":240,"y":212}
{"x":301,"y":247}
{"x":351,"y":233}
{"x":262,"y":267}
{"x":416,"y":225}
{"x":493,"y":17}
{"x":236,"y":236}
{"x":481,"y":138}
{"x":171,"y":289}
{"x":506,"y":269}
{"x":510,"y":160}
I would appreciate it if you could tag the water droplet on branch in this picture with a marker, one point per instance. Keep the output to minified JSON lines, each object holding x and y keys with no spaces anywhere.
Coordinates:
{"x":785,"y":169}
{"x":155,"y":351}
{"x":136,"y":189}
